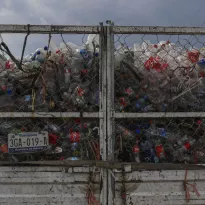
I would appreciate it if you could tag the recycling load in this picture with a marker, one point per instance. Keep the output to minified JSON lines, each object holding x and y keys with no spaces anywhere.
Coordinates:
{"x":49,"y":139}
{"x":160,"y":141}
{"x":163,"y":77}
{"x":63,"y":78}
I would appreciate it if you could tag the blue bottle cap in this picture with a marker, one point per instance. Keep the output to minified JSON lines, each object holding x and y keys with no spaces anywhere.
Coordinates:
{"x":38,"y":52}
{"x":201,"y":62}
{"x":45,"y":48}
{"x":137,"y":105}
{"x":27,"y":98}
{"x":138,"y":131}
{"x":96,"y":54}
{"x":82,"y":51}
{"x":9,"y":91}
{"x":145,"y":97}
{"x":33,"y":57}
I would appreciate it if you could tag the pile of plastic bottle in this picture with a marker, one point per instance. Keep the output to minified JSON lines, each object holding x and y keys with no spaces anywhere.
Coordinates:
{"x":72,"y":139}
{"x":62,"y":78}
{"x":161,"y":141}
{"x":159,"y":77}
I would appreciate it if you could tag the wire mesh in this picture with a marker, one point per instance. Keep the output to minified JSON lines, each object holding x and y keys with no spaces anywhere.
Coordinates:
{"x":160,"y":140}
{"x":60,"y":78}
{"x":159,"y":73}
{"x":67,"y":139}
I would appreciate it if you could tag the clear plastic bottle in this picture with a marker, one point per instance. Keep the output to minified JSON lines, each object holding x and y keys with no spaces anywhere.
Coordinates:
{"x":160,"y":151}
{"x":136,"y":153}
{"x":179,"y":154}
{"x":67,"y":71}
{"x":76,"y":69}
{"x":122,"y":103}
{"x":148,"y":153}
{"x":124,"y":131}
{"x":41,"y":54}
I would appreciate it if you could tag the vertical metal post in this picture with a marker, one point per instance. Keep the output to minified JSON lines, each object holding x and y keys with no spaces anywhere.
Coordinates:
{"x":110,"y":110}
{"x":103,"y":114}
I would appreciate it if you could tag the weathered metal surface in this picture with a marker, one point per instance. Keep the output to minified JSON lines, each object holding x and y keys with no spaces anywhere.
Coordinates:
{"x":158,"y":30}
{"x":46,"y":29}
{"x":85,"y":164}
{"x":44,"y":185}
{"x":160,"y":115}
{"x":160,"y":187}
{"x":102,"y":109}
{"x":50,"y":114}
{"x":110,"y":108}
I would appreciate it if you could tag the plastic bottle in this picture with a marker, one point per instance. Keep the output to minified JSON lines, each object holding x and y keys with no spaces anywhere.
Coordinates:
{"x":92,"y":38}
{"x":148,"y":152}
{"x":41,"y":54}
{"x":187,"y":146}
{"x":119,"y":57}
{"x":136,"y":153}
{"x":124,"y":131}
{"x":28,"y":58}
{"x":122,"y":103}
{"x":67,"y":71}
{"x":80,"y":95}
{"x":76,"y":69}
{"x":179,"y":154}
{"x":160,"y":151}
{"x":10,"y":89}
{"x":182,"y":140}
{"x":140,"y":104}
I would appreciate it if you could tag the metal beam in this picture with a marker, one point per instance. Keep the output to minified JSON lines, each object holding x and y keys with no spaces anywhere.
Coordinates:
{"x":106,"y":165}
{"x":50,"y":114}
{"x":160,"y":115}
{"x":46,"y":29}
{"x":159,"y":30}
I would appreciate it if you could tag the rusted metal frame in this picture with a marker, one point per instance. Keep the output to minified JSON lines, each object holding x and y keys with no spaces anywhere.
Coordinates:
{"x":49,"y":29}
{"x":159,"y":30}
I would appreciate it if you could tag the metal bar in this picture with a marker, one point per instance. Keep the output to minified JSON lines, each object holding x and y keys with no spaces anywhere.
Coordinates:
{"x":158,"y":30}
{"x":46,"y":29}
{"x":107,"y":165}
{"x":110,"y":110}
{"x":49,"y":114}
{"x":160,"y":115}
{"x":102,"y":109}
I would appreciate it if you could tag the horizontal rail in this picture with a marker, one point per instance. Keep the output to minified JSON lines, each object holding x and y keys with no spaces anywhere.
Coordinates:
{"x":160,"y":115}
{"x":106,"y":164}
{"x":50,"y":114}
{"x":158,"y":30}
{"x":46,"y":29}
{"x":75,"y":29}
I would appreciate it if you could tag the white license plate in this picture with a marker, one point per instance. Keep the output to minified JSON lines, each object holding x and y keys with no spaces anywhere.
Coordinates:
{"x":27,"y":142}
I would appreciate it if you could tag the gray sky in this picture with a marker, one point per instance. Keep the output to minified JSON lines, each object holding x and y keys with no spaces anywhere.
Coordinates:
{"x":91,"y":12}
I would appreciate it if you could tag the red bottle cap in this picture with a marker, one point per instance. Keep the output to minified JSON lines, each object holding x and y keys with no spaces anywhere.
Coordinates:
{"x":80,"y":92}
{"x":75,"y":137}
{"x":53,"y":138}
{"x":187,"y":146}
{"x":198,"y":122}
{"x":4,"y":148}
{"x":77,"y":121}
{"x":159,"y":150}
{"x":136,"y":149}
